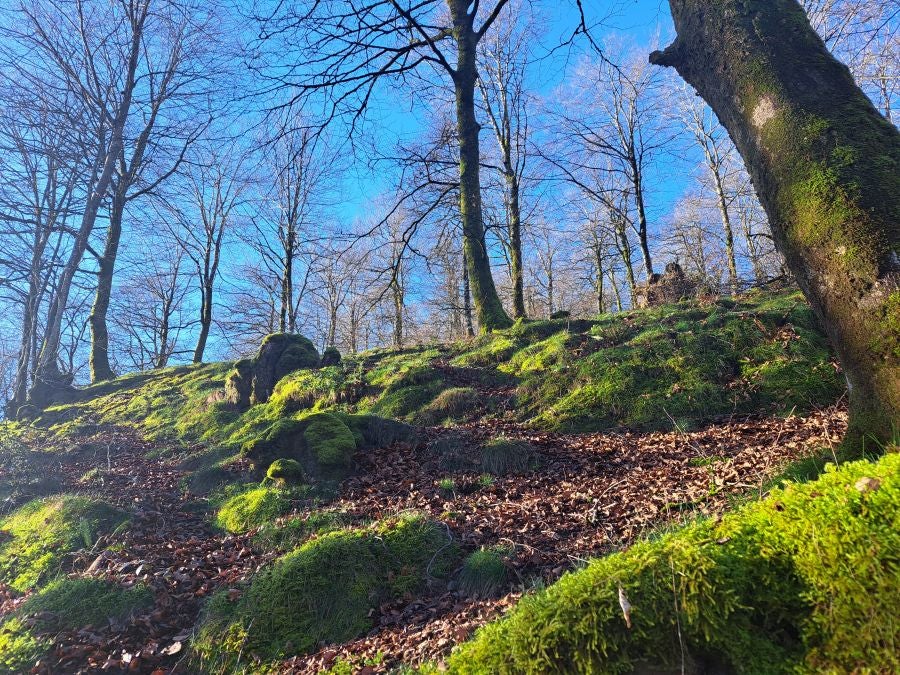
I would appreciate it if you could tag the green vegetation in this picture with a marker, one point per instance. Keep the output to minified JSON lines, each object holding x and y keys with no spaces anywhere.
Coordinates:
{"x":252,"y":508}
{"x":291,"y":532}
{"x":803,"y":581}
{"x":681,"y":363}
{"x":502,"y":456}
{"x":330,"y":440}
{"x":322,"y":593}
{"x":43,"y":532}
{"x":64,"y":604}
{"x":284,"y":472}
{"x":484,"y":573}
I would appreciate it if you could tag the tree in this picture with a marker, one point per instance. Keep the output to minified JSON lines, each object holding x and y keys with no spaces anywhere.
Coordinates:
{"x":345,"y":49}
{"x":613,"y":139}
{"x":82,"y":58}
{"x":171,"y":73}
{"x":824,"y":163}
{"x":201,"y":216}
{"x":502,"y":58}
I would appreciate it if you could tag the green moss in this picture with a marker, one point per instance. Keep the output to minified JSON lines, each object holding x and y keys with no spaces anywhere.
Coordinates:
{"x":502,"y":456}
{"x":456,"y":404}
{"x":804,"y":581}
{"x":252,"y":508}
{"x":286,"y":535}
{"x":285,"y":472}
{"x":20,"y":648}
{"x":77,"y":603}
{"x":330,"y":440}
{"x":43,"y":532}
{"x":324,"y":592}
{"x":484,"y":573}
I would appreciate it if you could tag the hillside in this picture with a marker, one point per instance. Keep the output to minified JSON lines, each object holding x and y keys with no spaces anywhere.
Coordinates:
{"x":371,"y":514}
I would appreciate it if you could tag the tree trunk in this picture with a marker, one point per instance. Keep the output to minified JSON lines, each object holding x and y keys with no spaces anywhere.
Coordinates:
{"x":491,"y":314}
{"x":205,"y":322}
{"x":598,"y":259}
{"x":467,"y":300}
{"x":824,"y":163}
{"x":99,"y":357}
{"x":643,"y":237}
{"x":286,"y":321}
{"x":616,"y":292}
{"x":515,"y":243}
{"x":727,"y":229}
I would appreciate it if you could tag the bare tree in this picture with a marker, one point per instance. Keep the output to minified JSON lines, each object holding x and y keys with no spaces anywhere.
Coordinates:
{"x":345,"y":49}
{"x":83,"y":56}
{"x":166,"y":117}
{"x":502,"y":61}
{"x":200,"y":216}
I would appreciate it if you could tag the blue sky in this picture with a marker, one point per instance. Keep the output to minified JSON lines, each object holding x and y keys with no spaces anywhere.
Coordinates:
{"x":396,"y":114}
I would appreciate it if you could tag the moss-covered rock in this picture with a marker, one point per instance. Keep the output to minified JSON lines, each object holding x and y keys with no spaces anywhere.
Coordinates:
{"x":285,"y":472}
{"x":804,"y":581}
{"x":457,"y":404}
{"x":252,"y":381}
{"x":329,"y":440}
{"x":42,"y":533}
{"x":331,"y":357}
{"x":324,"y":592}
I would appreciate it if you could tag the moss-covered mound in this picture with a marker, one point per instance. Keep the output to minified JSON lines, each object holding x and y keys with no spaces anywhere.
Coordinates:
{"x":249,"y":509}
{"x":678,"y":364}
{"x":804,"y":581}
{"x":40,"y":535}
{"x":253,"y":380}
{"x":324,"y":592}
{"x":64,"y":604}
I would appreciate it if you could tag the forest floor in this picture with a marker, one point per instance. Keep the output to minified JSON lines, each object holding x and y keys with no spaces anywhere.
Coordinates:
{"x":589,"y":494}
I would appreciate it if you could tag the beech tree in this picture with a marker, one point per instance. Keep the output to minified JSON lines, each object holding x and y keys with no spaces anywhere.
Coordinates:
{"x":824,"y":163}
{"x":345,"y":49}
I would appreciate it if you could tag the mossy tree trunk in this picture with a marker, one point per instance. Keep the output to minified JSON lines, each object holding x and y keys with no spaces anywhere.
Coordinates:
{"x":491,"y":314}
{"x":826,"y":167}
{"x":99,"y":356}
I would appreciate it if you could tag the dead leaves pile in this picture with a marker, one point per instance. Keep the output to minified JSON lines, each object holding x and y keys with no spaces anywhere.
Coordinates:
{"x":592,"y":493}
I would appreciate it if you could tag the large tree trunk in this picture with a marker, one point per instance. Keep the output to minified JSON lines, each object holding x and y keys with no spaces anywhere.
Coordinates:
{"x":99,"y":357}
{"x":491,"y":314}
{"x":826,"y":167}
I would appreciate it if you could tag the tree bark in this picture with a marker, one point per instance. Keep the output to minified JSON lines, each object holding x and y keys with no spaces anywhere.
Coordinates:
{"x":467,"y":300}
{"x":515,"y":244}
{"x":824,"y":163}
{"x":205,"y":321}
{"x":491,"y":315}
{"x":99,"y":357}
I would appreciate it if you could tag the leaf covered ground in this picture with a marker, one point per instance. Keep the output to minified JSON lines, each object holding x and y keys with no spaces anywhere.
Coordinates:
{"x":523,"y":455}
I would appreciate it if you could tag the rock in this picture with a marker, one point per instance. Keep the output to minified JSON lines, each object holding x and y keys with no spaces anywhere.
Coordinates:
{"x":285,"y":472}
{"x":560,"y":315}
{"x":331,"y":357}
{"x":253,"y":380}
{"x":664,"y":289}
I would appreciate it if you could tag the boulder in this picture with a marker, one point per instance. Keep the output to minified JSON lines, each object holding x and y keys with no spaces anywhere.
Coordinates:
{"x":253,"y":380}
{"x":331,"y":357}
{"x":663,"y":289}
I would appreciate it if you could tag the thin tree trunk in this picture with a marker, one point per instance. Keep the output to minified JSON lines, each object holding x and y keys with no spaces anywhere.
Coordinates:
{"x":99,"y":357}
{"x":616,"y":292}
{"x":491,"y":314}
{"x":598,"y":259}
{"x":726,"y":227}
{"x":643,"y":237}
{"x":205,"y":321}
{"x":515,"y":244}
{"x":824,"y":164}
{"x":467,"y":301}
